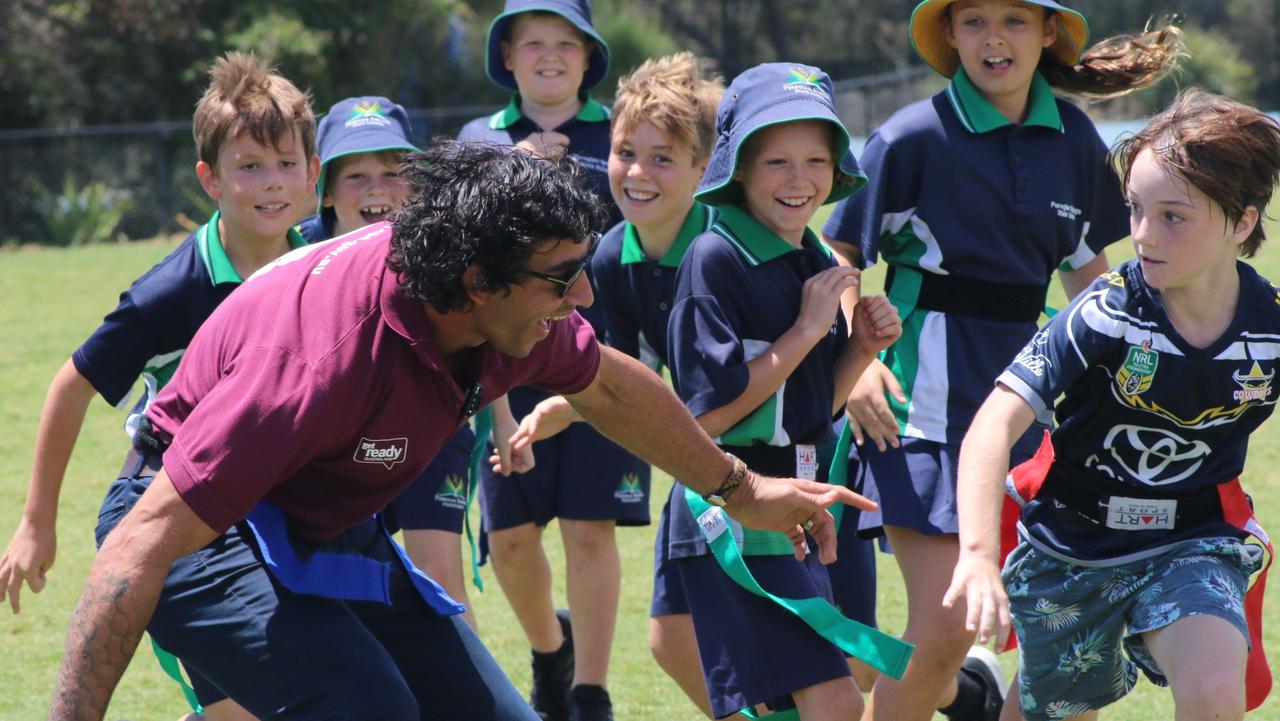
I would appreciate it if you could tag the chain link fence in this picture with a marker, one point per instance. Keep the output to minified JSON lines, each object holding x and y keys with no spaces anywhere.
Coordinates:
{"x":139,"y":181}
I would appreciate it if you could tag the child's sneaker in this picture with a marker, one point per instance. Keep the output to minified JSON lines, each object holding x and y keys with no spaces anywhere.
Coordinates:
{"x":590,"y":703}
{"x":984,"y":668}
{"x":553,"y":675}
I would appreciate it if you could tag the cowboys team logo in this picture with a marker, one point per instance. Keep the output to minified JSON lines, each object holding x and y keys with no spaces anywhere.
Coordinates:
{"x":1134,"y":377}
{"x":387,"y":451}
{"x":1254,"y":385}
{"x":453,"y":492}
{"x":629,"y":490}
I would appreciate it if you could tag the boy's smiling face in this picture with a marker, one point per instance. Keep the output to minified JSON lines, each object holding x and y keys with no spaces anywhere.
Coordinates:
{"x":786,"y":172}
{"x":363,"y":188}
{"x":548,"y":57}
{"x":652,"y":177}
{"x":1000,"y":43}
{"x":261,"y":190}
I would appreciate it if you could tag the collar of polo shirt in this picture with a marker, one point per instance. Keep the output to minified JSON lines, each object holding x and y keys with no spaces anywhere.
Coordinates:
{"x":592,"y":112}
{"x":698,"y":221}
{"x":979,"y":116}
{"x":756,"y":243}
{"x":214,"y":256}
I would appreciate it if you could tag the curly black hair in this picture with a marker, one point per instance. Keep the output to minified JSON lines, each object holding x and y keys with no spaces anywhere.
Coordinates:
{"x":488,"y":205}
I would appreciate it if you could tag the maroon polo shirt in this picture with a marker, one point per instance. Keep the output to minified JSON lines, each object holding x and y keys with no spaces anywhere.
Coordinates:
{"x":317,"y":386}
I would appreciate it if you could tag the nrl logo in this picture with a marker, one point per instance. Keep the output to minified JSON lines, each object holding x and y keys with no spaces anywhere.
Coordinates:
{"x":387,"y":451}
{"x":1254,"y":385}
{"x":1134,"y":377}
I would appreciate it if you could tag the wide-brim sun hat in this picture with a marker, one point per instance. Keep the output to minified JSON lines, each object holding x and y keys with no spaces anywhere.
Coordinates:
{"x":367,"y":124}
{"x":767,"y":95}
{"x":577,"y":12}
{"x":929,"y":34}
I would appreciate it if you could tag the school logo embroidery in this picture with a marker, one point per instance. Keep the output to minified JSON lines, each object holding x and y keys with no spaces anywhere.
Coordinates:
{"x":1254,"y":385}
{"x":806,"y":82}
{"x":453,"y":492}
{"x":367,"y":112}
{"x":1134,"y":377}
{"x":629,"y":489}
{"x":387,"y":451}
{"x":1065,"y":210}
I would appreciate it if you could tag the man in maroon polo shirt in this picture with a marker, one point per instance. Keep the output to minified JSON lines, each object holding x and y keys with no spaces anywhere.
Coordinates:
{"x":242,"y":535}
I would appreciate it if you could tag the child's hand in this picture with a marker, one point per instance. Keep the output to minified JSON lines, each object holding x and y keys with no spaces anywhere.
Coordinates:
{"x":976,"y":583}
{"x":545,"y":144}
{"x":875,"y":324}
{"x":868,"y":406}
{"x":547,"y":419}
{"x":29,"y":556}
{"x":820,"y":300}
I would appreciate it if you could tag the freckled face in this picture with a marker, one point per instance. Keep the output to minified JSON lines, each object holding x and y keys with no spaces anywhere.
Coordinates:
{"x":787,"y":171}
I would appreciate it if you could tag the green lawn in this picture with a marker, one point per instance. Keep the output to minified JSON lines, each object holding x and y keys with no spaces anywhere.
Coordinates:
{"x":54,"y":298}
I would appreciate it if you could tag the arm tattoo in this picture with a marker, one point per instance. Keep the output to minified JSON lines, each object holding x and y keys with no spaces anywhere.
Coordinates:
{"x":105,"y":629}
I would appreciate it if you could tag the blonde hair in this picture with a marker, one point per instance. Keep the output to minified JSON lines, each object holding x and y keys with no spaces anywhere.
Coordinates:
{"x":1117,"y":65}
{"x":676,"y":96}
{"x":246,"y":96}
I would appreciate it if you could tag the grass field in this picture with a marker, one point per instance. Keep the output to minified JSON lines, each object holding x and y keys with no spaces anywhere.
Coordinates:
{"x":54,"y":298}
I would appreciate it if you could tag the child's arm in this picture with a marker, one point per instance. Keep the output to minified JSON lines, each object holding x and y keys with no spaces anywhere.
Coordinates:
{"x":767,"y":372}
{"x":31,"y":551}
{"x":507,"y":457}
{"x":1075,"y":281}
{"x":984,"y":463}
{"x":873,"y":326}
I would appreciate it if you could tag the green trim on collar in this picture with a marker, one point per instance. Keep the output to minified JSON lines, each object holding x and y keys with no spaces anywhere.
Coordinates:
{"x":592,"y":112}
{"x":978,"y":115}
{"x":756,"y":243}
{"x":696,"y":222}
{"x":214,"y":255}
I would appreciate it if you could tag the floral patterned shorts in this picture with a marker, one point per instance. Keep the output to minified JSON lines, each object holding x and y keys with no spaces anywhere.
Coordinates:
{"x":1071,"y":619}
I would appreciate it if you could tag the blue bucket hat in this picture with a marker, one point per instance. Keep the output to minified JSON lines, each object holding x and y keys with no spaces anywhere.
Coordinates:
{"x":577,"y":12}
{"x":772,"y":94}
{"x":929,"y":37}
{"x":361,"y":125}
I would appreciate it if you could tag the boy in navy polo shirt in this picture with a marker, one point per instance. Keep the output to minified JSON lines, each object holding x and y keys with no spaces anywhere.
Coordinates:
{"x":976,"y":196}
{"x":548,"y":53}
{"x":764,"y":372}
{"x":260,"y":185}
{"x":1132,"y":528}
{"x":362,"y":143}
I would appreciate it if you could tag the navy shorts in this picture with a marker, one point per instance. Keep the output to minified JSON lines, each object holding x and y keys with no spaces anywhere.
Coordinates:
{"x":752,"y":650}
{"x":579,"y":475}
{"x":438,"y":499}
{"x":285,"y":655}
{"x":668,"y":591}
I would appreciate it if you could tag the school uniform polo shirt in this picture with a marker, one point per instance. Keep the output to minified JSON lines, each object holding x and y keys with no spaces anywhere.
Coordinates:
{"x":148,"y":332}
{"x":334,"y":402}
{"x":957,"y":190}
{"x":588,"y":134}
{"x":1144,"y":407}
{"x":737,"y":291}
{"x":634,"y":293}
{"x":319,"y":227}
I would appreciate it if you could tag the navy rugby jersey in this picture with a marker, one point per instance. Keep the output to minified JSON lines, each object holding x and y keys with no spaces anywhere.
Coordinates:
{"x":149,"y":330}
{"x":634,"y":293}
{"x":1142,"y":406}
{"x":955,"y":189}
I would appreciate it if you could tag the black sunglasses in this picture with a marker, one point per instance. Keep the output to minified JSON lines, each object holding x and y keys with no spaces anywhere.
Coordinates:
{"x":567,"y":280}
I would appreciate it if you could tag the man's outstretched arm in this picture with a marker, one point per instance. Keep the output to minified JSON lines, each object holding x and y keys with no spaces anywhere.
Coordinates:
{"x":631,"y":405}
{"x":120,"y":596}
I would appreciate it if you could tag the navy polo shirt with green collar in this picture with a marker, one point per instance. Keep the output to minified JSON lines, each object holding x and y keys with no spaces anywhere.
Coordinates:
{"x":588,"y":134}
{"x":960,"y":198}
{"x":634,"y":293}
{"x":147,"y":333}
{"x":737,"y":291}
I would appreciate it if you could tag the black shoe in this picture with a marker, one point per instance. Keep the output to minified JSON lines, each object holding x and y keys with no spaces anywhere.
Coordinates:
{"x":590,"y":703}
{"x":984,"y":668}
{"x":553,"y":675}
